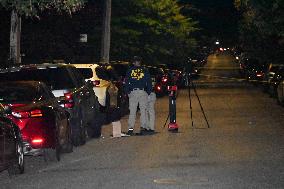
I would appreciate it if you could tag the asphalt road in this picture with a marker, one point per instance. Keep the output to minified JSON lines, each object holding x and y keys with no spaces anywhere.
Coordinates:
{"x":243,"y":148}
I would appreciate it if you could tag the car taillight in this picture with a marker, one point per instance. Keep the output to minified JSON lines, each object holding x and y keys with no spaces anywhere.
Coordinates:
{"x":36,"y":113}
{"x":260,"y":74}
{"x":69,"y":100}
{"x":37,"y":141}
{"x":96,"y":83}
{"x":164,"y":79}
{"x":27,"y":114}
{"x":158,"y":87}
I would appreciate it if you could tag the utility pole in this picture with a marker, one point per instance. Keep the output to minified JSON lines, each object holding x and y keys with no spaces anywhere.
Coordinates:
{"x":105,"y":44}
{"x":15,"y":38}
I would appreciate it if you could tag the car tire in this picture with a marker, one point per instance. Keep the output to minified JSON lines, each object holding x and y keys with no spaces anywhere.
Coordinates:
{"x":280,"y":97}
{"x":53,"y":154}
{"x":18,"y":167}
{"x":97,"y":131}
{"x":78,"y":131}
{"x":95,"y":128}
{"x":68,"y":146}
{"x":83,"y":133}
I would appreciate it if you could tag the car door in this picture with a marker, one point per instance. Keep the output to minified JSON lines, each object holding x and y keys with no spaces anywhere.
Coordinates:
{"x":86,"y":95}
{"x":7,"y":141}
{"x":56,"y":110}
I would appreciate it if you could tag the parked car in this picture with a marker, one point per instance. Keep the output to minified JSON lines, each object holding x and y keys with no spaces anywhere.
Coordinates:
{"x":159,"y":80}
{"x":76,"y":95}
{"x":280,"y":92}
{"x":272,"y":69}
{"x":11,"y":145}
{"x":255,"y":71}
{"x":43,"y":122}
{"x":275,"y":81}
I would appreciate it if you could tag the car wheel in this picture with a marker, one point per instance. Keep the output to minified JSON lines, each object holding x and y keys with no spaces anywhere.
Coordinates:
{"x":97,"y":131}
{"x":280,"y":96}
{"x":95,"y":128}
{"x":79,"y":136}
{"x":83,"y":133}
{"x":53,"y":154}
{"x":18,"y":166}
{"x":68,"y":146}
{"x":58,"y":151}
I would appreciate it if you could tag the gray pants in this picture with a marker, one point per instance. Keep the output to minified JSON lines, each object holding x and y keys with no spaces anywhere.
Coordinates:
{"x":150,"y":112}
{"x":137,"y":97}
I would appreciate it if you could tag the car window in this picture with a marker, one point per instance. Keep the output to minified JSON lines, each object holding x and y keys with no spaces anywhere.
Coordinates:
{"x":57,"y":78}
{"x":46,"y":93}
{"x":155,"y":71}
{"x":78,"y":77}
{"x":87,"y":73}
{"x":17,"y":93}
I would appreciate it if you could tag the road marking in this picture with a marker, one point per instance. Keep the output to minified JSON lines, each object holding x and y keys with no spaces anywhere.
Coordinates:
{"x":189,"y":181}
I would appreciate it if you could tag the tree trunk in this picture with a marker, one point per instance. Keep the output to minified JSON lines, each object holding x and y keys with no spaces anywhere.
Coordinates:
{"x":105,"y":45}
{"x":15,"y":35}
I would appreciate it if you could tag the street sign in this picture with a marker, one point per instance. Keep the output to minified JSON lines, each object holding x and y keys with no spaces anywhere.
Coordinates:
{"x":83,"y":38}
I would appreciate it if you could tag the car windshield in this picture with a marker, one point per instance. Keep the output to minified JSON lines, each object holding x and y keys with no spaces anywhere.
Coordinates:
{"x":16,"y":93}
{"x":57,"y":78}
{"x":87,"y":73}
{"x":156,"y":71}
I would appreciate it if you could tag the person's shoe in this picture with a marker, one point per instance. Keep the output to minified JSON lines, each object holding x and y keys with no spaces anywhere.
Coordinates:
{"x":124,"y":135}
{"x":150,"y":131}
{"x":143,"y":129}
{"x":130,"y":131}
{"x":139,"y":134}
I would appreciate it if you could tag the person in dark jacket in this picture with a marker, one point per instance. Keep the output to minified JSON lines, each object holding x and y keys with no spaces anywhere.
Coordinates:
{"x":138,"y":86}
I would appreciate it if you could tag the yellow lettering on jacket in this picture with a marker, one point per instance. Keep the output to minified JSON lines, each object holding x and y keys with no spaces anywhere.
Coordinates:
{"x":137,"y":74}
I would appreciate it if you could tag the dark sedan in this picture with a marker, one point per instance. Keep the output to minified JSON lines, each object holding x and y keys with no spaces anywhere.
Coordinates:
{"x":11,"y":145}
{"x":43,"y":122}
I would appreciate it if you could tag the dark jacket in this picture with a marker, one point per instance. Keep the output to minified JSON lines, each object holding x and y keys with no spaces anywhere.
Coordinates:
{"x":138,"y":77}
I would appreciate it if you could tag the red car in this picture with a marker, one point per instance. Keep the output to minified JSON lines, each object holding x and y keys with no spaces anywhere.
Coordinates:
{"x":11,"y":145}
{"x":43,"y":122}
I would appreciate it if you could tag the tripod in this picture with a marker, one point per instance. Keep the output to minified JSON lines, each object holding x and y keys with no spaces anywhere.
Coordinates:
{"x":190,"y":83}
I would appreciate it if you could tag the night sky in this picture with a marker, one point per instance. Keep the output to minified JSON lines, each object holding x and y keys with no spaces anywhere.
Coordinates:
{"x":218,"y":19}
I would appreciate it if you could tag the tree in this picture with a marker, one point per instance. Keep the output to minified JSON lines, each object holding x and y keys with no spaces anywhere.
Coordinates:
{"x":105,"y":46}
{"x":262,"y":29}
{"x":31,"y":8}
{"x":154,"y":29}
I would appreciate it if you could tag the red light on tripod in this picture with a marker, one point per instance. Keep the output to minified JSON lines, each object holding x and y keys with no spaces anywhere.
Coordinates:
{"x":172,"y":88}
